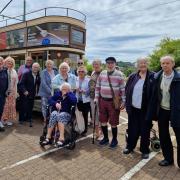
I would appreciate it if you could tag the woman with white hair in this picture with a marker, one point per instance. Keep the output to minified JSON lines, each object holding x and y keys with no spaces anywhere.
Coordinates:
{"x":138,"y":94}
{"x":9,"y":113}
{"x":61,"y":102}
{"x":45,"y":88}
{"x":62,"y":77}
{"x":83,"y":95}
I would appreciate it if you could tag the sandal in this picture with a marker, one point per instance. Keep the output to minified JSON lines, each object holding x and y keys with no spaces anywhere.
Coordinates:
{"x":46,"y":142}
{"x":60,"y":143}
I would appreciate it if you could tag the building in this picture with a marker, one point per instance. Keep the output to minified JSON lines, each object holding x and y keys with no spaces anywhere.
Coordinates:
{"x":50,"y":33}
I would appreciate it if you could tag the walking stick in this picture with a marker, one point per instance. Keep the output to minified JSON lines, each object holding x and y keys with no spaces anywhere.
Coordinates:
{"x":94,"y":123}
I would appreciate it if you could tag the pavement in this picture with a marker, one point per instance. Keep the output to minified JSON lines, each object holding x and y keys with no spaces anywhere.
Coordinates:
{"x":22,"y":158}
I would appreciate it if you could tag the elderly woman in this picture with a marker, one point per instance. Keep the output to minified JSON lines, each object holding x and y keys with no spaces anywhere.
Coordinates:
{"x":138,"y":94}
{"x":62,"y":102}
{"x":45,"y":88}
{"x":62,"y":77}
{"x":69,"y":62}
{"x":9,"y":113}
{"x":92,"y":84}
{"x":82,"y":94}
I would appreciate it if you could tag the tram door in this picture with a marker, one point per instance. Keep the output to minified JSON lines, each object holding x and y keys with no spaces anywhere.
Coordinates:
{"x":40,"y":57}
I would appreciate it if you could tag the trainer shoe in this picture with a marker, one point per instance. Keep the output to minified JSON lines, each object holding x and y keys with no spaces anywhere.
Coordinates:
{"x":8,"y":123}
{"x":145,"y":156}
{"x":114,"y":143}
{"x":104,"y":141}
{"x":127,"y":151}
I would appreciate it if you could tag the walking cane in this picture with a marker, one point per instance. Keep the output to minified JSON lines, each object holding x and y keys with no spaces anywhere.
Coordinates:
{"x":94,"y":123}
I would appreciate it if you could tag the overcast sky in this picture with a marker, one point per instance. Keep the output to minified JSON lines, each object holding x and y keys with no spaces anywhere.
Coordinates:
{"x":125,"y":29}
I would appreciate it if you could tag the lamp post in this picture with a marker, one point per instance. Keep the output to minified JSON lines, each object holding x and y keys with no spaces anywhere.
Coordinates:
{"x":24,"y":14}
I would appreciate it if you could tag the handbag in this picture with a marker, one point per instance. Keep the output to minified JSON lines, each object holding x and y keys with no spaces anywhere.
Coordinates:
{"x":79,"y":123}
{"x":116,"y":99}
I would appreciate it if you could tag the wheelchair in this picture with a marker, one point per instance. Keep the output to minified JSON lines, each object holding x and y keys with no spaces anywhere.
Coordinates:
{"x":70,"y":133}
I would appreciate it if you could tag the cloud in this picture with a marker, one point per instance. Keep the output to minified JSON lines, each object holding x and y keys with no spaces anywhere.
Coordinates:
{"x":125,"y":29}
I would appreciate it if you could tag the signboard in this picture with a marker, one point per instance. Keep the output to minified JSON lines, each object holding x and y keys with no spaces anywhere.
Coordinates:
{"x":15,"y":39}
{"x":77,"y":37}
{"x":12,"y":39}
{"x":48,"y":33}
{"x":3,"y":41}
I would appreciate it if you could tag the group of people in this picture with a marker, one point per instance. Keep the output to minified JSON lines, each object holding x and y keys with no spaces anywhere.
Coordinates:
{"x":146,"y":95}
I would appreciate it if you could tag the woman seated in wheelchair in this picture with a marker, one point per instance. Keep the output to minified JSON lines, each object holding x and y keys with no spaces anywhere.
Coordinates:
{"x":61,"y":103}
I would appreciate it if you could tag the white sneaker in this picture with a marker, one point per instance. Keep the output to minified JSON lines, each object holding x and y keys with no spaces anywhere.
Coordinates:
{"x":100,"y":138}
{"x":9,"y":123}
{"x":1,"y":124}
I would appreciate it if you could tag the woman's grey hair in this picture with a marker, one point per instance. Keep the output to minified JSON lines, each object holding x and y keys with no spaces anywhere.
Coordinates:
{"x":146,"y":59}
{"x":65,"y":84}
{"x":64,"y":64}
{"x":49,"y":61}
{"x":98,"y":61}
{"x":168,"y":57}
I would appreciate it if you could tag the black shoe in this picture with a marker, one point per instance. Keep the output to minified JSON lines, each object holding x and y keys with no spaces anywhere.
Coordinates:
{"x":84,"y":133}
{"x":127,"y":151}
{"x":104,"y":141}
{"x":165,"y":163}
{"x":2,"y":129}
{"x":30,"y":125}
{"x":145,"y":156}
{"x":21,"y":122}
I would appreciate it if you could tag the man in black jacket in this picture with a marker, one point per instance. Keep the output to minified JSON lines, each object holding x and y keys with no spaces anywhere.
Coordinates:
{"x":165,"y":107}
{"x":28,"y":88}
{"x":3,"y":90}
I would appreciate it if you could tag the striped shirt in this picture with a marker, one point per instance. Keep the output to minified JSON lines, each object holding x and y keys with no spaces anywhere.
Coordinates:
{"x":118,"y":84}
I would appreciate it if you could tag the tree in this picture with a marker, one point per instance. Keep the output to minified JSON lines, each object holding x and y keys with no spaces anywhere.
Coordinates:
{"x":167,"y":46}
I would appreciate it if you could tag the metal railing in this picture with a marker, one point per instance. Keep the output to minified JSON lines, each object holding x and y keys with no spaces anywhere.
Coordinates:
{"x":49,"y":11}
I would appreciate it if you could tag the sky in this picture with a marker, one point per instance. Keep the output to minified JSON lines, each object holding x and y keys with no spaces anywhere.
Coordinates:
{"x":125,"y":29}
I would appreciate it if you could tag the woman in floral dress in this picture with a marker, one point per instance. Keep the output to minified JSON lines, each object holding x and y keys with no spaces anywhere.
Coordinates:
{"x":9,"y":113}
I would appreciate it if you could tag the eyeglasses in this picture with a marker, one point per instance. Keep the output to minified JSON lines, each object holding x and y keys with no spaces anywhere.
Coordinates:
{"x":80,"y":63}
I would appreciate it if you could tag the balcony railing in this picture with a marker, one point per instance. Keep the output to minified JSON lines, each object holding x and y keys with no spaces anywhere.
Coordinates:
{"x":49,"y":11}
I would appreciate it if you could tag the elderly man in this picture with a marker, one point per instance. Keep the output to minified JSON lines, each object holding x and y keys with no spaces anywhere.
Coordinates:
{"x":25,"y":67}
{"x":3,"y":90}
{"x":92,"y":85}
{"x":28,"y":88}
{"x":110,"y":85}
{"x":165,"y":107}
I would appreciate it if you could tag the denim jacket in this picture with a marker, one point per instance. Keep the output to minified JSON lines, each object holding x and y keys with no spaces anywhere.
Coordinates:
{"x":84,"y":87}
{"x":58,"y":80}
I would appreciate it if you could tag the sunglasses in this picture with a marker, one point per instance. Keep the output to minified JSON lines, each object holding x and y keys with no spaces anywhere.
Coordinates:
{"x":80,"y":63}
{"x":81,"y":71}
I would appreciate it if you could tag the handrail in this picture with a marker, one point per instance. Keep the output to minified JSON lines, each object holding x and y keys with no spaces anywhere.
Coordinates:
{"x":45,"y":14}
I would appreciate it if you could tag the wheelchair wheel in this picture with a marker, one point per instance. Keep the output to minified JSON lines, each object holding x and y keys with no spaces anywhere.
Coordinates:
{"x":71,"y":145}
{"x":155,"y":145}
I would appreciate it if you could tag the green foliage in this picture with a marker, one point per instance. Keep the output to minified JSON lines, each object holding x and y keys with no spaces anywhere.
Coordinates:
{"x":89,"y":68}
{"x":167,"y":46}
{"x":128,"y":70}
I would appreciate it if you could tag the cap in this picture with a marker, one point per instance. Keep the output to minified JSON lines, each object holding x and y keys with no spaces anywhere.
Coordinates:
{"x":110,"y":59}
